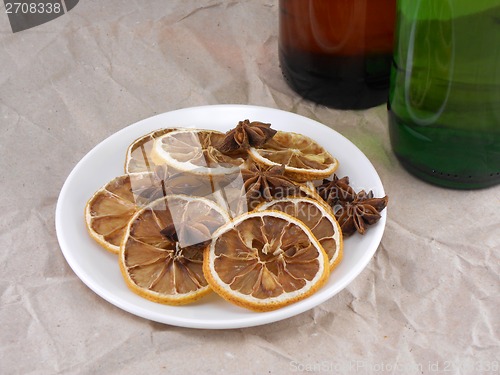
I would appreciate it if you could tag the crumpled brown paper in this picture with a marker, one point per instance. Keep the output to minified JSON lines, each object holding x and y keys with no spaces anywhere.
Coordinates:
{"x":427,"y":302}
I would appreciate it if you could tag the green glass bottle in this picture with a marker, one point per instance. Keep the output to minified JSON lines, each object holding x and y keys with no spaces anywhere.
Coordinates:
{"x":444,"y":101}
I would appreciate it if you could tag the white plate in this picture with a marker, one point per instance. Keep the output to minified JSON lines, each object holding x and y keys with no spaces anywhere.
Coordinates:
{"x":99,"y":270}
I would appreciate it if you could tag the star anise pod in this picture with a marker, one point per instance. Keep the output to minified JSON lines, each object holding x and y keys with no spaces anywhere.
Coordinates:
{"x":354,"y":211}
{"x":246,"y":135}
{"x":355,"y":215}
{"x":266,"y":183}
{"x":337,"y":189}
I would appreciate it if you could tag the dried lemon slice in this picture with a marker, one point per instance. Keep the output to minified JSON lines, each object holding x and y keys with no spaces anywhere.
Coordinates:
{"x":265,"y":260}
{"x":304,"y":159}
{"x":318,"y":217}
{"x":194,"y":150}
{"x":138,"y":157}
{"x":109,"y":210}
{"x":165,"y":268}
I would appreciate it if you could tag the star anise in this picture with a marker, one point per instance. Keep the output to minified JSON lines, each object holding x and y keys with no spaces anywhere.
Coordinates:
{"x":357,"y":214}
{"x":246,"y":135}
{"x":266,"y":183}
{"x":337,"y":189}
{"x":354,"y":211}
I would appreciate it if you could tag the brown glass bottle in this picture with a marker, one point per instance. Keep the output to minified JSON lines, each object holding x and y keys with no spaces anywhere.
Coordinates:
{"x":337,"y":52}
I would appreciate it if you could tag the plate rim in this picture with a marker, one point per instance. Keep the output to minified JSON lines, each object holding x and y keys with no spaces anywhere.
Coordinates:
{"x":248,"y":321}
